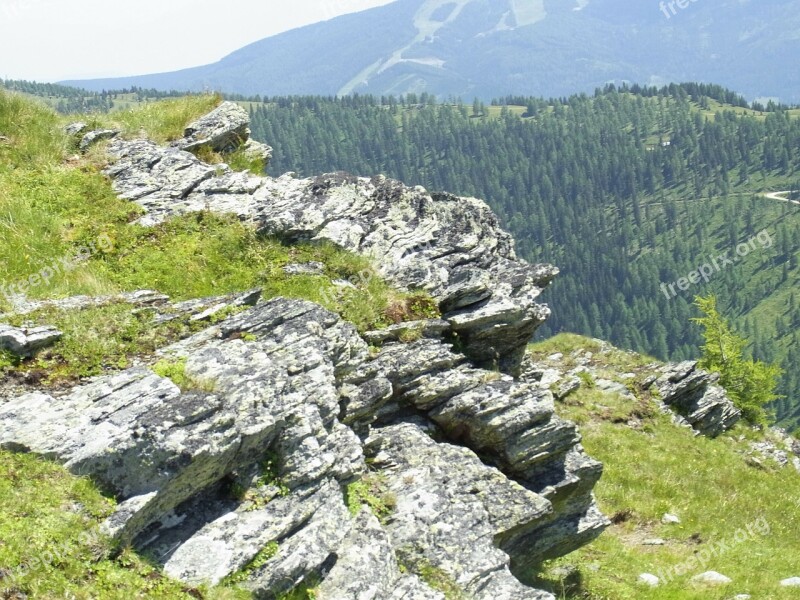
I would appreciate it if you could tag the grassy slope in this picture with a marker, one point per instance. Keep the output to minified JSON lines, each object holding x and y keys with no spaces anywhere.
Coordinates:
{"x":53,"y":203}
{"x":657,"y":467}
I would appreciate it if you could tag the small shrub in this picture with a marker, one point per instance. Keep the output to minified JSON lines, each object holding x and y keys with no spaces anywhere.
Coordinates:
{"x":415,"y":307}
{"x":750,"y":384}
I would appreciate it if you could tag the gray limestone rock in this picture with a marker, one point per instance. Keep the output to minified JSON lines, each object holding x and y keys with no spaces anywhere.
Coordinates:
{"x":452,"y":510}
{"x":451,"y":247}
{"x":26,"y":341}
{"x":91,"y":138}
{"x":224,"y":129}
{"x":254,"y":150}
{"x":408,"y":331}
{"x":695,"y":395}
{"x":76,"y":128}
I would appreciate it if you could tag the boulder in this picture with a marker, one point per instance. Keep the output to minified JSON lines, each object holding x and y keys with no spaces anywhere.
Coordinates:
{"x":669,"y":519}
{"x":75,"y":129}
{"x":26,"y":341}
{"x":695,"y":395}
{"x":449,"y":503}
{"x":256,"y":151}
{"x":649,"y":580}
{"x":224,"y":129}
{"x":711,"y":578}
{"x":91,"y":138}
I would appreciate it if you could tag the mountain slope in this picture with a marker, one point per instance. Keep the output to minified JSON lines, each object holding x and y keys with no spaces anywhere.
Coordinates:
{"x":488,"y":48}
{"x":624,"y":191}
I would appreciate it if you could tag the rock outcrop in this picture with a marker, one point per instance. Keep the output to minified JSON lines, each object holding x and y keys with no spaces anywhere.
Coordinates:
{"x":695,"y":395}
{"x":24,"y":341}
{"x":689,"y":394}
{"x":451,"y":247}
{"x":485,"y":481}
{"x":249,"y":472}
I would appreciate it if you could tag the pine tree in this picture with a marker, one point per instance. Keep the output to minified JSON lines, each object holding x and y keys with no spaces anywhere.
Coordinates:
{"x":750,"y":384}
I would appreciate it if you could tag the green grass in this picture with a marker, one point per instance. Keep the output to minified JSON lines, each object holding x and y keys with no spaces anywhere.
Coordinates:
{"x":96,"y":340}
{"x":162,"y":121}
{"x":176,"y":371}
{"x":262,"y":558}
{"x":370,"y":491}
{"x":435,"y":578}
{"x":657,"y":467}
{"x":53,"y":211}
{"x":52,"y":548}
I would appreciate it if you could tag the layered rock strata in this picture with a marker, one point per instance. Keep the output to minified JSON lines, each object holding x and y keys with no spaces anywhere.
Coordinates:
{"x":251,"y":472}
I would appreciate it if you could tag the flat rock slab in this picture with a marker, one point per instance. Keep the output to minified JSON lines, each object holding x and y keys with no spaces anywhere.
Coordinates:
{"x":24,"y":342}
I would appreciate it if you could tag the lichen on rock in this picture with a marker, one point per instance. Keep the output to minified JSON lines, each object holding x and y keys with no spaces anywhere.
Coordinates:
{"x":485,"y":480}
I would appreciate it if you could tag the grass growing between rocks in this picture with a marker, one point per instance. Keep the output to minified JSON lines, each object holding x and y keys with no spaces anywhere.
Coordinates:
{"x":370,"y":491}
{"x":63,"y":233}
{"x":162,"y":121}
{"x":738,"y":518}
{"x":52,"y":548}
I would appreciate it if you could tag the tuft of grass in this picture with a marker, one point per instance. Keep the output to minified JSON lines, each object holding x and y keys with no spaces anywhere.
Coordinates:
{"x":32,"y":129}
{"x":162,"y":121}
{"x":412,"y":307}
{"x":176,"y":371}
{"x":237,"y":160}
{"x":305,"y":591}
{"x":435,"y":578}
{"x":267,"y":553}
{"x":564,"y":343}
{"x":587,"y":379}
{"x":370,"y":491}
{"x":96,"y":340}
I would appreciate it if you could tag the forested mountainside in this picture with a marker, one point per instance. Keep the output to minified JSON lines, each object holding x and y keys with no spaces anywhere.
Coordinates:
{"x":626,"y":191}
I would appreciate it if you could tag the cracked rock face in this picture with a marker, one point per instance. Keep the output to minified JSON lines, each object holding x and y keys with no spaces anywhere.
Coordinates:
{"x":451,"y":247}
{"x":694,"y":393}
{"x":250,"y":470}
{"x":482,"y":480}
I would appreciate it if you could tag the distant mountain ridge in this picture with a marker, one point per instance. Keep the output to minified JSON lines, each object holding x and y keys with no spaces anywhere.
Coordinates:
{"x":488,"y":48}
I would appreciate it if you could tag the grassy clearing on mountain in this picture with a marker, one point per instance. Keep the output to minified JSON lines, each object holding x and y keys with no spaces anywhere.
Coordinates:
{"x":741,"y":517}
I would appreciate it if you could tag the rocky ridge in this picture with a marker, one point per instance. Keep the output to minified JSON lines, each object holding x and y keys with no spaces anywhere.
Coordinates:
{"x":451,"y":247}
{"x":250,"y":471}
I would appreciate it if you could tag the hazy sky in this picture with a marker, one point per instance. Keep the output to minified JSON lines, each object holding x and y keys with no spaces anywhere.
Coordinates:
{"x":50,"y":40}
